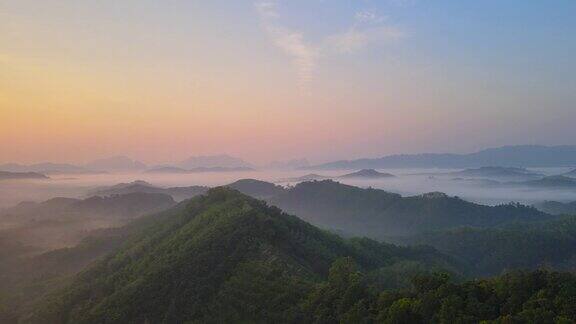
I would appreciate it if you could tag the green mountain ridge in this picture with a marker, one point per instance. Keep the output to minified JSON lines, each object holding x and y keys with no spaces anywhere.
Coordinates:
{"x":378,"y":214}
{"x":211,"y":259}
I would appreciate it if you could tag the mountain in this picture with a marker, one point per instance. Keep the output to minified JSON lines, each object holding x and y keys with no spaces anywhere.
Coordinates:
{"x":212,"y":161}
{"x":290,"y":164}
{"x":490,"y":251}
{"x":551,"y":182}
{"x":61,"y":222}
{"x":167,"y":170}
{"x":220,"y":169}
{"x":116,"y":164}
{"x":506,"y":156}
{"x":307,"y":177}
{"x":557,"y":208}
{"x":48,"y":168}
{"x":378,"y":214}
{"x":256,"y":188}
{"x":177,"y":193}
{"x":5,"y":175}
{"x":175,"y":170}
{"x":367,"y":174}
{"x":220,"y":258}
{"x":502,"y":173}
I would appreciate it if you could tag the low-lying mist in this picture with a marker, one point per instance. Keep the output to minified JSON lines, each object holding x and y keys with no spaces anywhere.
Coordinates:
{"x":407,"y":182}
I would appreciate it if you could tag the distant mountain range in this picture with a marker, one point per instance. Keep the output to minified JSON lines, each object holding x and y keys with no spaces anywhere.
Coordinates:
{"x":175,"y":170}
{"x":116,"y":163}
{"x":552,"y":182}
{"x":291,"y":164}
{"x":48,"y":168}
{"x":361,"y":174}
{"x":5,"y":175}
{"x":213,"y":161}
{"x":507,"y":156}
{"x":491,"y":172}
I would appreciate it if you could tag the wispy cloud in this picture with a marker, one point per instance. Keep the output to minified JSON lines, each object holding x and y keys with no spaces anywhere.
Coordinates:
{"x":354,"y":39}
{"x":304,"y":55}
{"x":367,"y":28}
{"x":367,"y":16}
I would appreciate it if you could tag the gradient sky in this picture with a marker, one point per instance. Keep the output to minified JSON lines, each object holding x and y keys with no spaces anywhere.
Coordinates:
{"x":267,"y":80}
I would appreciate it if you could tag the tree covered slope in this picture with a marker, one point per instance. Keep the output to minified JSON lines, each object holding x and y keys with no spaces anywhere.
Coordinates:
{"x":377,"y":213}
{"x":223,"y":257}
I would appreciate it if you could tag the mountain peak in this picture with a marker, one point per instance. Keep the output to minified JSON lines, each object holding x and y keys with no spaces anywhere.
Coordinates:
{"x":209,"y":259}
{"x":367,"y":174}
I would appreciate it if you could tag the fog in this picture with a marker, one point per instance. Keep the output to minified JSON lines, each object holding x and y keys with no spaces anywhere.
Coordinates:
{"x":407,"y":182}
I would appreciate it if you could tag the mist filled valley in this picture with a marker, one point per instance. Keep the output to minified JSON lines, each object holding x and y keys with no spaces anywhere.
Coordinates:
{"x":60,"y":228}
{"x":275,"y":161}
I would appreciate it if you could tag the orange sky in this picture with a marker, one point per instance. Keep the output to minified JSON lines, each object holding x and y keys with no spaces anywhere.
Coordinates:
{"x":266,"y":80}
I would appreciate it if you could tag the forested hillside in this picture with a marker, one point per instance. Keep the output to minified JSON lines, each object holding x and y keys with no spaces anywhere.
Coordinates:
{"x":521,"y":246}
{"x":223,"y":257}
{"x":378,"y":214}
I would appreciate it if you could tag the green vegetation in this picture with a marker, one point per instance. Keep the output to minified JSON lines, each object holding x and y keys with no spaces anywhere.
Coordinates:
{"x":378,"y":214}
{"x":223,"y":257}
{"x":557,"y":208}
{"x":538,"y":297}
{"x":227,"y":258}
{"x":256,"y":188}
{"x":522,"y":246}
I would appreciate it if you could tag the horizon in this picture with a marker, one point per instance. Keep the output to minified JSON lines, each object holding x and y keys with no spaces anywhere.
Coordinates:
{"x":269,"y":162}
{"x":266,"y":80}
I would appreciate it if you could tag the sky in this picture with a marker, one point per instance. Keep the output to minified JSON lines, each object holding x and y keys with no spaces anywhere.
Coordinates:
{"x":281,"y":79}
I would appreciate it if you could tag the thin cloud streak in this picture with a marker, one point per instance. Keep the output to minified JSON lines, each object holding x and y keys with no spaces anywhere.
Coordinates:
{"x":368,"y":28}
{"x":304,"y":56}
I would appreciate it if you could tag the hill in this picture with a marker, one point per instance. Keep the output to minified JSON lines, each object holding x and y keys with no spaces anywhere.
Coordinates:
{"x":557,"y":208}
{"x":223,"y":257}
{"x":62,"y":222}
{"x":306,"y":177}
{"x":178,"y":193}
{"x":377,"y":213}
{"x":507,"y":156}
{"x":5,"y":175}
{"x":502,"y":173}
{"x":366,"y":174}
{"x":488,"y":252}
{"x":256,"y":188}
